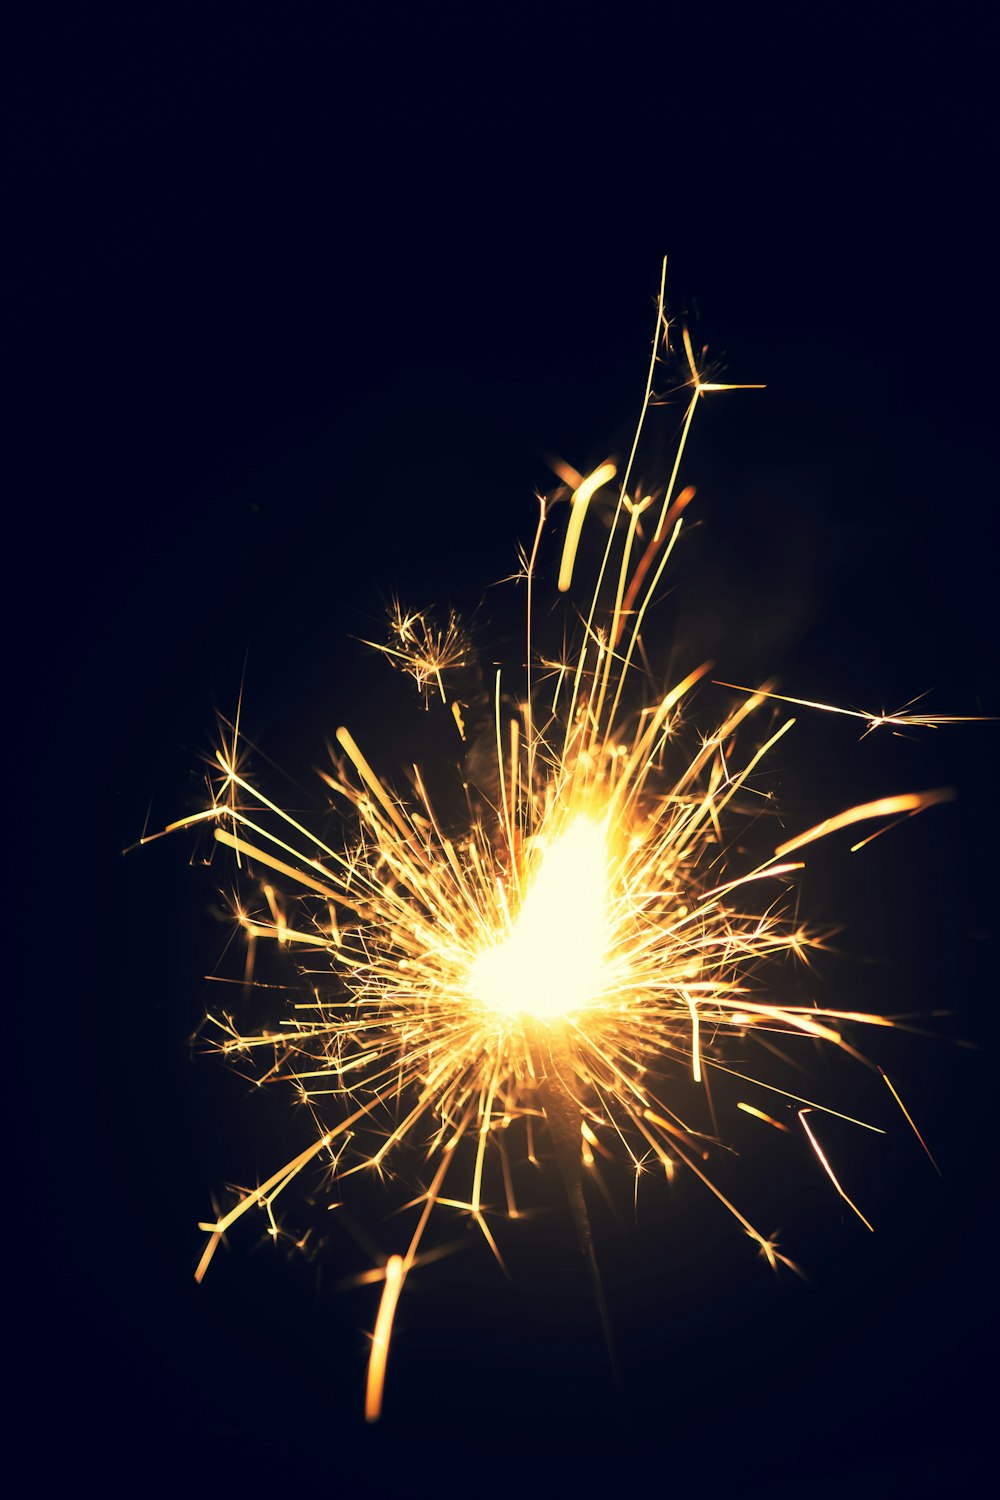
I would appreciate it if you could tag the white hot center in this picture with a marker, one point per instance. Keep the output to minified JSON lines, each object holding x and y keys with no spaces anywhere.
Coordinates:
{"x":552,"y":962}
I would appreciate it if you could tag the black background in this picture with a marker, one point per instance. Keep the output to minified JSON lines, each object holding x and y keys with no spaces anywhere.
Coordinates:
{"x":299,"y":305}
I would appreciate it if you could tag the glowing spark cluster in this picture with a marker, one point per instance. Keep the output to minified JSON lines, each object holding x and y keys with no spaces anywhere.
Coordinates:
{"x":588,"y":937}
{"x":423,"y":648}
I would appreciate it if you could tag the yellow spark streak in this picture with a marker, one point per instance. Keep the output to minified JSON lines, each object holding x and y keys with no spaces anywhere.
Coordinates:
{"x":909,"y":1121}
{"x":346,"y":741}
{"x":873,"y":721}
{"x":760,"y":1115}
{"x":695,"y":1037}
{"x":829,"y":1170}
{"x":622,"y":493}
{"x":259,"y":1196}
{"x":641,"y":755}
{"x":582,"y":496}
{"x":671,"y":518}
{"x":668,"y":497}
{"x":508,"y":821}
{"x":699,"y":389}
{"x":811,"y":1103}
{"x":380,"y":1339}
{"x":883,"y":807}
{"x":635,"y":511}
{"x":233,"y":779}
{"x":223,"y":836}
{"x":280,"y":933}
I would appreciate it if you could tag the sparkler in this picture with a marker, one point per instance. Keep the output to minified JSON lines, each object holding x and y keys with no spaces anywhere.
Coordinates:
{"x":550,"y":969}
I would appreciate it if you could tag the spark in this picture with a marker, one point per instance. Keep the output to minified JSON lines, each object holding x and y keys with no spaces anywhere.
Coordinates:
{"x":577,"y":952}
{"x":580,"y":500}
{"x":759,"y":1114}
{"x":426,"y":650}
{"x":900,"y":719}
{"x":909,"y":1120}
{"x":821,"y":1158}
{"x":380,"y":1339}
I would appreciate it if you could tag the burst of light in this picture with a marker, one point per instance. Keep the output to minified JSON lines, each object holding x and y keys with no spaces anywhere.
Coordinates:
{"x":589,"y":938}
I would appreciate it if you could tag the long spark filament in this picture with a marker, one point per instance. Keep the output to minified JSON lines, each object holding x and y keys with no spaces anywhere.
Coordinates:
{"x":829,"y":1170}
{"x":380,"y":1338}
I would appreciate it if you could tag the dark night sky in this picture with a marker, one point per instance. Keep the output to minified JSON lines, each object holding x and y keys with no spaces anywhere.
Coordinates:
{"x":298,"y":308}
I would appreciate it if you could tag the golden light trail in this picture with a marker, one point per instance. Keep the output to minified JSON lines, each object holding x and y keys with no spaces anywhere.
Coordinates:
{"x":896,"y":721}
{"x":582,"y":496}
{"x":909,"y":1120}
{"x":561,"y":962}
{"x":380,"y":1339}
{"x":882,"y":807}
{"x":829,"y":1170}
{"x":759,"y":1114}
